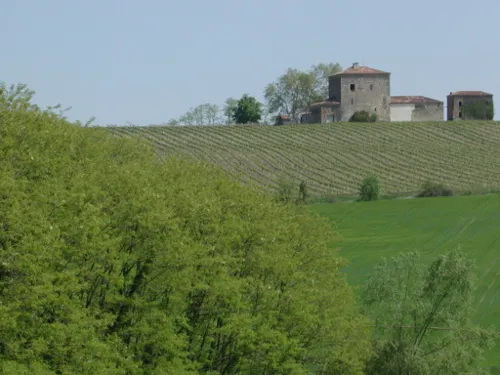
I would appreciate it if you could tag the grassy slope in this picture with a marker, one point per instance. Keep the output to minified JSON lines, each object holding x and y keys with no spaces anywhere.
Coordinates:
{"x":334,"y":158}
{"x":375,"y":229}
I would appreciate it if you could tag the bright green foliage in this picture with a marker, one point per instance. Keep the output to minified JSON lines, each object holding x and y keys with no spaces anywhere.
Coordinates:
{"x":369,"y":189}
{"x":286,"y":189}
{"x":247,"y":110}
{"x":115,"y":262}
{"x":423,"y":317}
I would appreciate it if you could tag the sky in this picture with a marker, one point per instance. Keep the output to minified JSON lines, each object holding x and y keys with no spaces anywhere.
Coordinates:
{"x":145,"y":62}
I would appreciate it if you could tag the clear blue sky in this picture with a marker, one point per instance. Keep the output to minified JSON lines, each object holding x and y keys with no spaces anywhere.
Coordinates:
{"x":147,"y":61}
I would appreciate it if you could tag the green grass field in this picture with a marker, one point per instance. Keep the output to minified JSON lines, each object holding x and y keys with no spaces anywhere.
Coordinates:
{"x":334,"y":158}
{"x":432,"y":226}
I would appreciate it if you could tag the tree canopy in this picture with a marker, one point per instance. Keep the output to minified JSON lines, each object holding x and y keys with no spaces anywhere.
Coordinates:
{"x":423,"y":317}
{"x":295,"y":90}
{"x":247,"y":110}
{"x":114,"y":261}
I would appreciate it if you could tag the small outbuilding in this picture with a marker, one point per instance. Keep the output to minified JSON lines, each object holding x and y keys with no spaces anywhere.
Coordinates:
{"x":416,"y":108}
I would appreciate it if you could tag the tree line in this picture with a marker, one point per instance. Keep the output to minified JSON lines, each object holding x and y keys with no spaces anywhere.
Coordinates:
{"x":290,"y":94}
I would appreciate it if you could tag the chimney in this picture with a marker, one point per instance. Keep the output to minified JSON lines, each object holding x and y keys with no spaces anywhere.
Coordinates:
{"x":355,"y":65}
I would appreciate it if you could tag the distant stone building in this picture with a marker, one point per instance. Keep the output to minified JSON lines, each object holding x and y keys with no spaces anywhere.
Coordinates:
{"x":416,"y":108}
{"x":456,"y":102}
{"x":361,"y":88}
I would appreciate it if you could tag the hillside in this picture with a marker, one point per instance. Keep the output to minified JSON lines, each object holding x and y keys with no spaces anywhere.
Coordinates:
{"x":334,"y":158}
{"x":432,"y":226}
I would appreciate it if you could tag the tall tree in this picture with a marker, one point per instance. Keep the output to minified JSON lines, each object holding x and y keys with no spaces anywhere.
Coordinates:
{"x":212,"y":114}
{"x":291,"y":93}
{"x":295,"y":90}
{"x":188,"y":118}
{"x":229,"y":106}
{"x":203,"y":114}
{"x":248,"y":110}
{"x":321,"y":73}
{"x":423,"y":317}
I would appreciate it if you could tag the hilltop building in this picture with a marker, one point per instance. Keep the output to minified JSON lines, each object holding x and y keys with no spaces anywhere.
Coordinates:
{"x":361,"y":88}
{"x":459,"y":100}
{"x":416,"y":108}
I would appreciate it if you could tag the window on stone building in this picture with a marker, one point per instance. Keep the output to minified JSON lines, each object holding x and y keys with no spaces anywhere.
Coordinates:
{"x":459,"y":104}
{"x":352,"y":101}
{"x":371,"y":86}
{"x":353,"y":87}
{"x":460,"y":114}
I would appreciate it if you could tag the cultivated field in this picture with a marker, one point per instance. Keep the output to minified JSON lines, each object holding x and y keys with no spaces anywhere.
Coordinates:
{"x":376,"y":229}
{"x":334,"y":158}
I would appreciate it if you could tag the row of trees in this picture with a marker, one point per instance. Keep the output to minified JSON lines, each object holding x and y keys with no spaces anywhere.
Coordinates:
{"x":290,"y":94}
{"x":245,"y":110}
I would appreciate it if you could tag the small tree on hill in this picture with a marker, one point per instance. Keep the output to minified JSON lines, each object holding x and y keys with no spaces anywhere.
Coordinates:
{"x":247,"y":110}
{"x":303,"y":193}
{"x":285,"y":189}
{"x":369,"y":189}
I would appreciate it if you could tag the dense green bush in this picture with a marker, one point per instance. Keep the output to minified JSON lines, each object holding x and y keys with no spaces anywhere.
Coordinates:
{"x":432,"y":189}
{"x":369,"y":189}
{"x":363,"y":116}
{"x":116,"y":262}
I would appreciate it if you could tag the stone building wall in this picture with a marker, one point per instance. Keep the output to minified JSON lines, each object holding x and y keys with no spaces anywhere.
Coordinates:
{"x":370,"y":92}
{"x":456,"y":102}
{"x":428,"y":112}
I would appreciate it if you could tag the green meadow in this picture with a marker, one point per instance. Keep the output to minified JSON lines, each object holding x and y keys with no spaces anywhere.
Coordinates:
{"x":372,"y":230}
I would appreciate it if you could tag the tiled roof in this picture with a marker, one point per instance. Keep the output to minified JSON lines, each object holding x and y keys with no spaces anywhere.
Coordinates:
{"x":470,"y":93}
{"x":323,"y":103}
{"x":358,"y":69}
{"x":413,"y":100}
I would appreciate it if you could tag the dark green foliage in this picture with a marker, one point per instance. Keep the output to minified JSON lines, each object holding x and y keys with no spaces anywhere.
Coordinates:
{"x":369,"y":189}
{"x":363,"y":116}
{"x":423,"y":317}
{"x":247,"y":110}
{"x":478,"y":110}
{"x":115,"y":262}
{"x":432,"y":189}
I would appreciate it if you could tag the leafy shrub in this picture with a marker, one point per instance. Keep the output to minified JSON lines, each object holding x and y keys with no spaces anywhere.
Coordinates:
{"x":285,"y":190}
{"x":370,"y":189}
{"x":432,"y":189}
{"x":363,"y":116}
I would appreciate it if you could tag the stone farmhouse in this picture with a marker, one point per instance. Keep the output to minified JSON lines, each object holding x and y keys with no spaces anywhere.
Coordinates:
{"x":361,"y":88}
{"x":456,"y":101}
